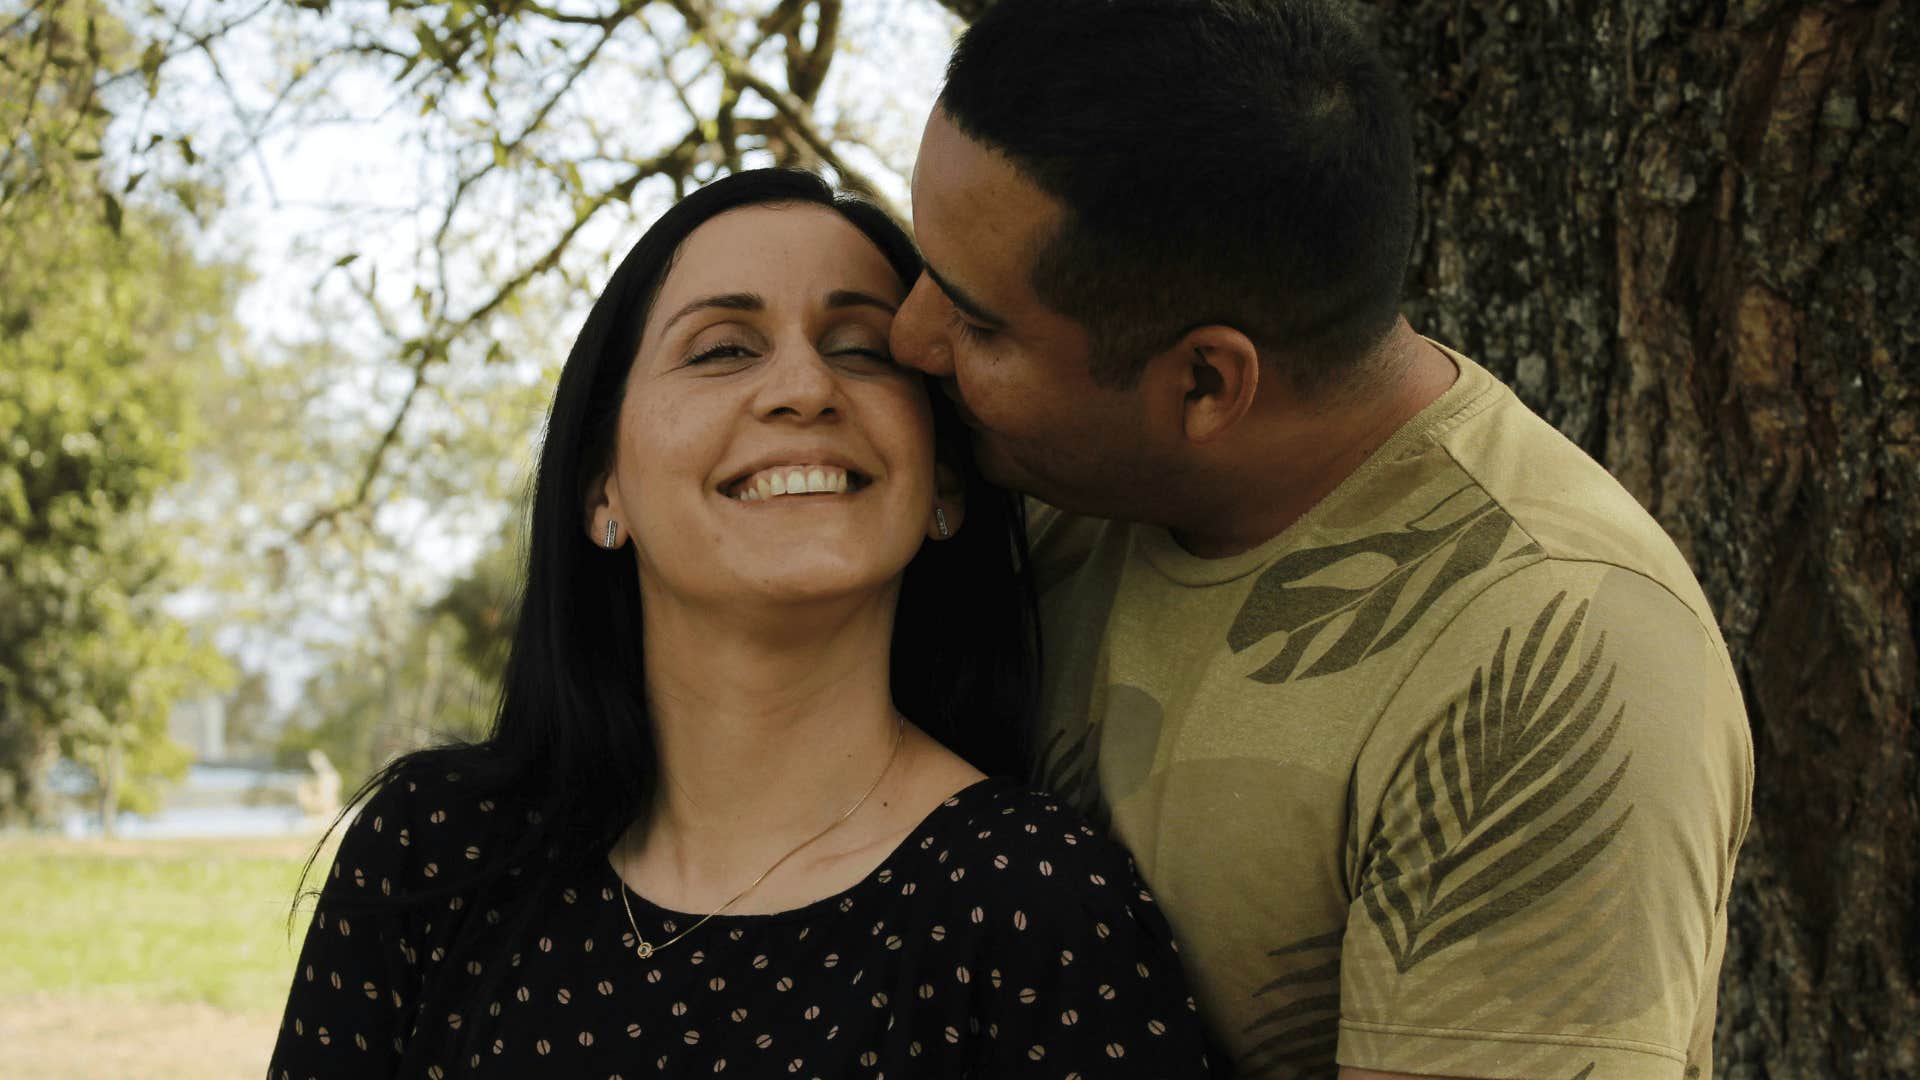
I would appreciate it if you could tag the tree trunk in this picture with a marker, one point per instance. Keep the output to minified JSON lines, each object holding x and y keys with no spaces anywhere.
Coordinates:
{"x":1688,"y":233}
{"x":110,"y":789}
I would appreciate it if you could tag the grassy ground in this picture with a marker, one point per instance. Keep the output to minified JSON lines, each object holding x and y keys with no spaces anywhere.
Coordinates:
{"x":144,"y":958}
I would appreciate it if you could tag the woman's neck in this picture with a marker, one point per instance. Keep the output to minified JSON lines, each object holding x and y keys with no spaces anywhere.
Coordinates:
{"x":767,"y":731}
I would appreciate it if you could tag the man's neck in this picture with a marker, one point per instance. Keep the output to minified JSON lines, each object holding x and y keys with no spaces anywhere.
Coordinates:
{"x":1298,"y":451}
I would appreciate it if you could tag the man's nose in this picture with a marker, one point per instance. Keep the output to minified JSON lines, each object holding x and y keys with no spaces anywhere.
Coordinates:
{"x":918,"y":339}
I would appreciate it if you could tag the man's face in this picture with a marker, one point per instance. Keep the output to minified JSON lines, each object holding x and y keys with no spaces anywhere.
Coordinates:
{"x":1017,"y":369}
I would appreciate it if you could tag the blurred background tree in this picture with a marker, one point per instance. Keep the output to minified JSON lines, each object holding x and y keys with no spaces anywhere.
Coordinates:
{"x":1682,"y":231}
{"x":106,"y":321}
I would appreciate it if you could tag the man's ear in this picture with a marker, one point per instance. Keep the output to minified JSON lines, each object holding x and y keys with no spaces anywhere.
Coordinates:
{"x":606,"y":526}
{"x":949,"y":502}
{"x":1217,"y":370}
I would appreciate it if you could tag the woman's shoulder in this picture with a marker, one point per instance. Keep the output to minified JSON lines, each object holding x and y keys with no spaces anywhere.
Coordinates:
{"x":1045,"y":900}
{"x":422,"y":823}
{"x":1022,"y":840}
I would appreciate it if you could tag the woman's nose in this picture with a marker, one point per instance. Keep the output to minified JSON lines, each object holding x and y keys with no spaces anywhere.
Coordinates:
{"x":917,"y":339}
{"x":799,"y":383}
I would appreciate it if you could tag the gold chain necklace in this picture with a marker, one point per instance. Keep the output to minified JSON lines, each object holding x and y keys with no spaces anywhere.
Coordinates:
{"x":645,"y":949}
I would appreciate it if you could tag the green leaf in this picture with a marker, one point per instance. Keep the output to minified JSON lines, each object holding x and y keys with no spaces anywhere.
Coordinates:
{"x":150,"y":61}
{"x":112,"y":210}
{"x":345,"y":260}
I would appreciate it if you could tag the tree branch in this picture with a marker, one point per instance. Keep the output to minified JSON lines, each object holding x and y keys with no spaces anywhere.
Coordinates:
{"x":807,"y":68}
{"x":533,"y":125}
{"x":791,"y":110}
{"x":196,"y":41}
{"x":427,"y":350}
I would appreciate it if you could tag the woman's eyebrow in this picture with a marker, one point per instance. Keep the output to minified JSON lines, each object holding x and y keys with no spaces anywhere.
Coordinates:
{"x":844,"y":298}
{"x":729,"y":301}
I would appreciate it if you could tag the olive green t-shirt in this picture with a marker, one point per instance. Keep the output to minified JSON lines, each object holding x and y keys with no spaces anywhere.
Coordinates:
{"x":1447,"y":778}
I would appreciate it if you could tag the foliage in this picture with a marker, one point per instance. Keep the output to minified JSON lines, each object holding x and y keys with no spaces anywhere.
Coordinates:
{"x":531,"y":179}
{"x":105,"y":321}
{"x":437,"y":676}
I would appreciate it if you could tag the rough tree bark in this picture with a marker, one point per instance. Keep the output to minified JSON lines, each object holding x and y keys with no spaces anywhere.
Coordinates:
{"x":1688,"y":233}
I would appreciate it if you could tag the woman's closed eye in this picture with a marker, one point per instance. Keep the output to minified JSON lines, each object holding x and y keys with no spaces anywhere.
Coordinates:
{"x":858,"y":345}
{"x":878,"y":355}
{"x":724,"y":350}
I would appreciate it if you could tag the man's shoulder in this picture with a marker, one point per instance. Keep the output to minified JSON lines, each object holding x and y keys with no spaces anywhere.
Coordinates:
{"x":1570,"y":506}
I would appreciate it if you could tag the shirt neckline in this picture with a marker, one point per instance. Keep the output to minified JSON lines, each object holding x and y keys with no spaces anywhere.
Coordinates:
{"x":1469,"y":393}
{"x":929,"y":825}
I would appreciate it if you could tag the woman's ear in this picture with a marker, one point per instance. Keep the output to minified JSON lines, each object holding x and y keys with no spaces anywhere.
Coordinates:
{"x":949,"y":502}
{"x":606,"y":525}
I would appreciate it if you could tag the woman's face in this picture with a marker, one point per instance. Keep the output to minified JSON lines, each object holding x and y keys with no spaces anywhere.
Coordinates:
{"x":769,"y":448}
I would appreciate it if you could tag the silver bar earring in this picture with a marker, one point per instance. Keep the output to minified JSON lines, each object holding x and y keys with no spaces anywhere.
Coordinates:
{"x":940,"y":522}
{"x":610,"y":534}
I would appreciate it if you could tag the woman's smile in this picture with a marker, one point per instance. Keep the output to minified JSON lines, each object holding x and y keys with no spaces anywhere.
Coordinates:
{"x":781,"y":482}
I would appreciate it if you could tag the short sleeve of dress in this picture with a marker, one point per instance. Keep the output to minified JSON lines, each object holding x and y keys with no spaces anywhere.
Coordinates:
{"x":355,"y":982}
{"x":1087,"y":979}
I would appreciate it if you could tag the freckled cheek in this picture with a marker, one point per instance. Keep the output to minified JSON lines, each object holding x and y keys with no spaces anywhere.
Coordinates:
{"x":665,"y":460}
{"x":908,"y":434}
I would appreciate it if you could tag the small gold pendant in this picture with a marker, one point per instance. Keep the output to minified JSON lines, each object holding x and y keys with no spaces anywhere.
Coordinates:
{"x":645,"y":949}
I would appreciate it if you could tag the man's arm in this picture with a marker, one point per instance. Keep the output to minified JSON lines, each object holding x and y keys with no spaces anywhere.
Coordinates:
{"x":1546,"y":821}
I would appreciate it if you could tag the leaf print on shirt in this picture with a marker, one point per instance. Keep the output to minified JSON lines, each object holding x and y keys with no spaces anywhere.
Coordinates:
{"x":1466,"y":530}
{"x":1066,"y":766}
{"x":1506,"y":813}
{"x":1111,"y":758}
{"x":1297,"y":1036}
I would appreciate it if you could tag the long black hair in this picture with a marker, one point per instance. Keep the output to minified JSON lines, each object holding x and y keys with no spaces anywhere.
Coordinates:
{"x":571,"y":749}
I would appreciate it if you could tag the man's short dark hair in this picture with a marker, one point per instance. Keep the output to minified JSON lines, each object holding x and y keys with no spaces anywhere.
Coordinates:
{"x":1239,"y":162}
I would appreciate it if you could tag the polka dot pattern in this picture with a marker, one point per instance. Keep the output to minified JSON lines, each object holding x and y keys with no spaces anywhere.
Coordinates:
{"x":1004,"y":937}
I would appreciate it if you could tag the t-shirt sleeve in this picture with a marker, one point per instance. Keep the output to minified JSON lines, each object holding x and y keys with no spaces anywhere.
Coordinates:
{"x":356,"y":983}
{"x":1545,"y":825}
{"x":1086,"y":978}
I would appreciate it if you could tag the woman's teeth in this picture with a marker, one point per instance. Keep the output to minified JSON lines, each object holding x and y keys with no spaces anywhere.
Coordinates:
{"x":792,"y":480}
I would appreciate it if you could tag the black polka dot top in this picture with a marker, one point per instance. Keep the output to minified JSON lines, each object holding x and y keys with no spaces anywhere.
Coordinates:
{"x":1003,"y":938}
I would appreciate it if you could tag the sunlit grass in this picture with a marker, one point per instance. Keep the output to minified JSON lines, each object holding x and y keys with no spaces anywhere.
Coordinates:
{"x":201,"y":921}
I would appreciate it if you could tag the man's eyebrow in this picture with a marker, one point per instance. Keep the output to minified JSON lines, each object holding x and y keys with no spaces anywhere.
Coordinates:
{"x":846,"y":298}
{"x":964,"y":302}
{"x":730,"y":301}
